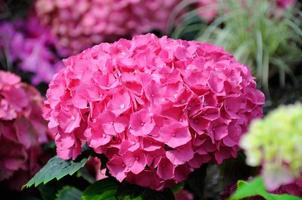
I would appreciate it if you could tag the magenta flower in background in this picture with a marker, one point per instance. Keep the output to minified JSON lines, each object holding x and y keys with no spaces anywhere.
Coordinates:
{"x":157,"y":108}
{"x":285,"y":3}
{"x":281,"y":6}
{"x":22,"y":130}
{"x":30,"y":46}
{"x":93,"y":21}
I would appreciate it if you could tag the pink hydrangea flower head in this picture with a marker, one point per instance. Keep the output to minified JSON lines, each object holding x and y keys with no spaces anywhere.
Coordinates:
{"x":157,"y":108}
{"x":22,"y":130}
{"x":29,"y":45}
{"x":94,"y":21}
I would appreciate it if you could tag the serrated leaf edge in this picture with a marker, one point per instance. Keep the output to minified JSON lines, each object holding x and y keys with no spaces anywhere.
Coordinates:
{"x":31,"y":182}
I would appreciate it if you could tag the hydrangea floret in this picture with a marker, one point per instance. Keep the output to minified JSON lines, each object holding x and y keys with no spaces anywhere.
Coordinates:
{"x":156,"y":108}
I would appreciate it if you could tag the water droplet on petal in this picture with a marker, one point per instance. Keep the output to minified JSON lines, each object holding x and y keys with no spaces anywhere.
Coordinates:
{"x":122,"y":106}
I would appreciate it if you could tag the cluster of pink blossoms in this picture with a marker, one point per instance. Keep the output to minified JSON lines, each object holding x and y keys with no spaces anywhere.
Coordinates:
{"x":22,"y":130}
{"x":29,"y":45}
{"x":157,"y":108}
{"x":93,"y":21}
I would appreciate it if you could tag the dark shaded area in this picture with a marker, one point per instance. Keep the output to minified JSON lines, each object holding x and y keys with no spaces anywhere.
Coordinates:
{"x":10,"y":9}
{"x":290,"y":93}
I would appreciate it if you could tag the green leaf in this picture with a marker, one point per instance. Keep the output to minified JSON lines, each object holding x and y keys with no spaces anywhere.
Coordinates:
{"x":256,"y":188}
{"x":102,"y":190}
{"x":132,"y":198}
{"x":56,"y":168}
{"x":127,"y":191}
{"x":69,"y":193}
{"x":248,"y":189}
{"x":178,"y":187}
{"x":285,"y":197}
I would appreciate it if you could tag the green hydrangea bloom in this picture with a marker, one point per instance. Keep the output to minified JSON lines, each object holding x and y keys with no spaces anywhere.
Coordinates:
{"x":275,"y":142}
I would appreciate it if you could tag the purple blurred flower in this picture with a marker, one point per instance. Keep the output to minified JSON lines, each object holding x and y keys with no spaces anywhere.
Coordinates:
{"x":29,"y":45}
{"x":285,"y":3}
